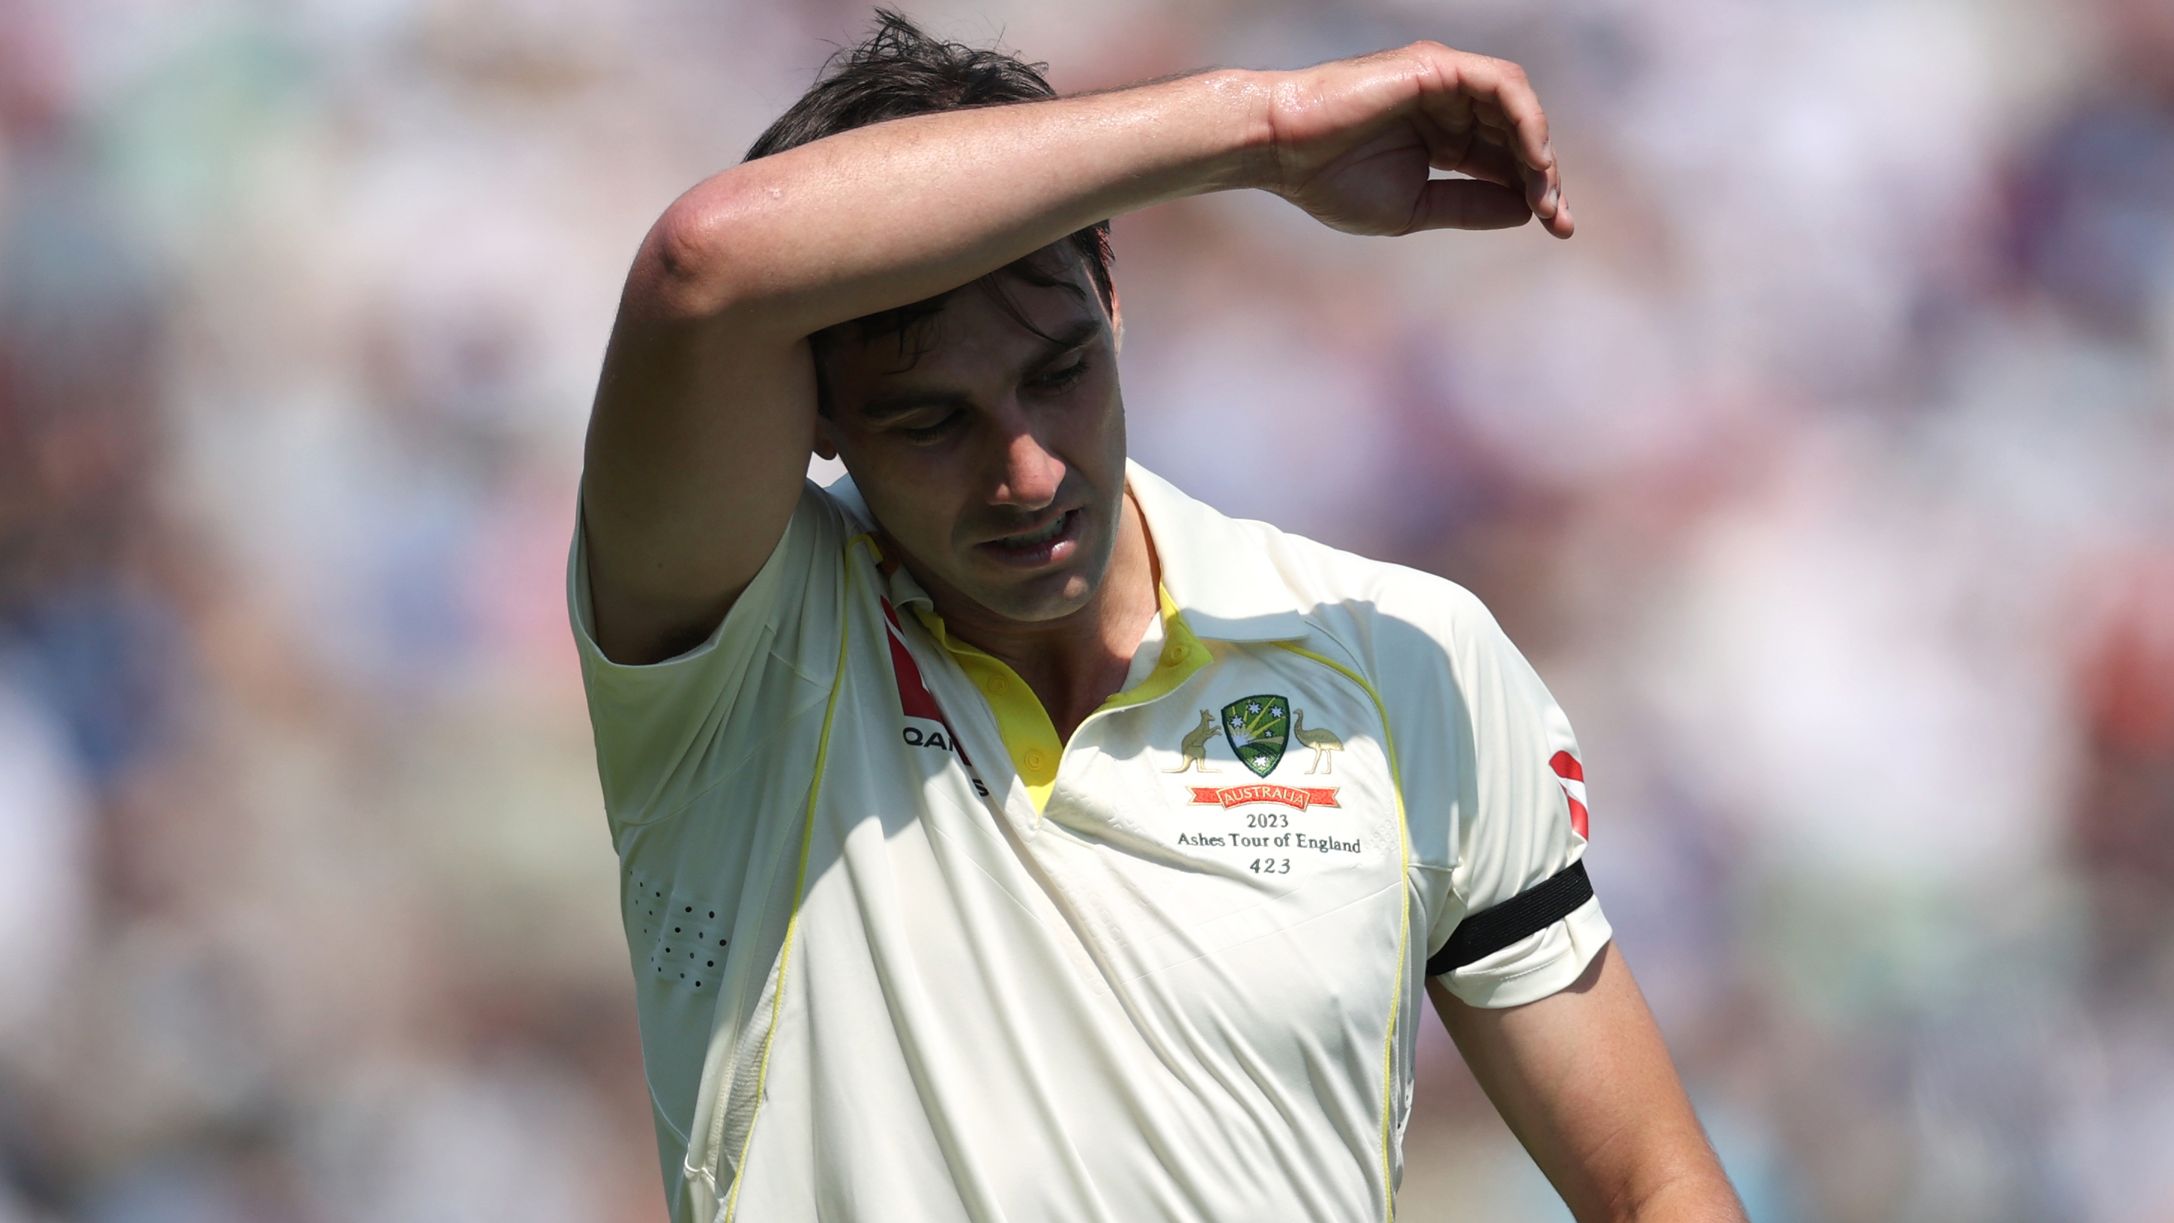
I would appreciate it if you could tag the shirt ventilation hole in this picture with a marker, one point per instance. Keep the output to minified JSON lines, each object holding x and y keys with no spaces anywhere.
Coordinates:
{"x":664,"y":948}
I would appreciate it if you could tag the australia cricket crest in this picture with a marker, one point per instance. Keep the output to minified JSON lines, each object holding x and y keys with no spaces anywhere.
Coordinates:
{"x":1258,"y":728}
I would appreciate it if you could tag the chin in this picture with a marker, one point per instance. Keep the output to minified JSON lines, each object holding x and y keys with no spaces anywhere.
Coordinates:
{"x":1052,"y":597}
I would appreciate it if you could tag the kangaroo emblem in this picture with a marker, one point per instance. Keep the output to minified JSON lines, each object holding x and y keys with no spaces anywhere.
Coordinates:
{"x":1195,"y":746}
{"x":1322,"y":742}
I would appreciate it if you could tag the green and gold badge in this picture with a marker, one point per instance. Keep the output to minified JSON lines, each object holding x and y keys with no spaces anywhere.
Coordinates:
{"x":1258,"y":728}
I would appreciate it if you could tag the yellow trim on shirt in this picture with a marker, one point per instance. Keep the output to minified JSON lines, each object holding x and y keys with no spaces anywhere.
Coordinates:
{"x":1025,"y":726}
{"x":800,"y":887}
{"x":1404,"y":918}
{"x":1182,"y":655}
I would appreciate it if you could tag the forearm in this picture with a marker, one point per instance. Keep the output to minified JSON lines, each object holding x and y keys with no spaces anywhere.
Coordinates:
{"x":892,"y":213}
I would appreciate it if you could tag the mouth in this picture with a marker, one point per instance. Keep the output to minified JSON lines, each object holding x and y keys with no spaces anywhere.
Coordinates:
{"x":1049,"y":543}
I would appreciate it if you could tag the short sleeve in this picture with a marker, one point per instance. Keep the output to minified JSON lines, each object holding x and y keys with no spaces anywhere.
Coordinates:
{"x":667,"y":731}
{"x":1522,"y":921}
{"x":1493,"y":787}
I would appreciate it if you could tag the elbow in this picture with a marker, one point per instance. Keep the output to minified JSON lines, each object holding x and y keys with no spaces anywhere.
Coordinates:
{"x":1698,"y":1195}
{"x":686,"y":268}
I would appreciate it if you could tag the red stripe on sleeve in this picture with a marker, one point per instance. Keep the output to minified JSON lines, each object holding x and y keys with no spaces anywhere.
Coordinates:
{"x":1567,"y":766}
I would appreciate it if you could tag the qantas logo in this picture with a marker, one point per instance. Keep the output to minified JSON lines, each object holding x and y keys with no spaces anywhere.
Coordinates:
{"x":919,"y":704}
{"x":914,"y":698}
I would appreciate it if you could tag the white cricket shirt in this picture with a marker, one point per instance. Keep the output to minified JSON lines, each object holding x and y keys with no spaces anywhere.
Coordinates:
{"x":900,"y":954}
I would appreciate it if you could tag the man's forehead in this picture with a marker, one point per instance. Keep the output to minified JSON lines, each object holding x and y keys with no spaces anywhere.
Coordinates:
{"x":1019,"y":307}
{"x":1059,"y":266}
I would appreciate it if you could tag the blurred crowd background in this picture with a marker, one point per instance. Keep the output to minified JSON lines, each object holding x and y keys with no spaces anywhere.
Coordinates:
{"x":1827,"y":476}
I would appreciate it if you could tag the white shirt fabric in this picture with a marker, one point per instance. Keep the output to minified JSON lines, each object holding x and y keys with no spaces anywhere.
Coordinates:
{"x":894,"y":962}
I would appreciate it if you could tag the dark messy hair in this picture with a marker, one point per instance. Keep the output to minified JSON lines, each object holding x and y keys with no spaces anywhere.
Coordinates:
{"x":899,"y":71}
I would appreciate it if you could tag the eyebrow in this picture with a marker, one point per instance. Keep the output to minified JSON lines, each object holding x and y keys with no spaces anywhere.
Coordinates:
{"x":887,"y":407}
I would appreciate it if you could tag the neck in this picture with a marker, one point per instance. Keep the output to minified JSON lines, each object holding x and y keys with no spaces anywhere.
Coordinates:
{"x":1076,"y":662}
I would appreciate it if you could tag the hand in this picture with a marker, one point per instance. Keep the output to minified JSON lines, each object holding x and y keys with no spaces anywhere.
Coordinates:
{"x":1351,"y":142}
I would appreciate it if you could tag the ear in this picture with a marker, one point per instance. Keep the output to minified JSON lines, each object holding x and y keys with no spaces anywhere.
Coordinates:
{"x":825,"y":442}
{"x":1117,"y":321}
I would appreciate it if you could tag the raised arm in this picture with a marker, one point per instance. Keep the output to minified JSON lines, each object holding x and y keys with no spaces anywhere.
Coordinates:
{"x":705,"y":410}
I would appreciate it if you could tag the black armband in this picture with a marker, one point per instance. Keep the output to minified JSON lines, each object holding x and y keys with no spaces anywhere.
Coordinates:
{"x":1491,"y":929}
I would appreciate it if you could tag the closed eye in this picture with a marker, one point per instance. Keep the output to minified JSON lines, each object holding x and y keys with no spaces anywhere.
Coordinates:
{"x":1059,"y":379}
{"x":934,"y":430}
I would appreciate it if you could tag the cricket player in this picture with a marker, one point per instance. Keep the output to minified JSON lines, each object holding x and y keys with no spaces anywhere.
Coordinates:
{"x":1005,"y":835}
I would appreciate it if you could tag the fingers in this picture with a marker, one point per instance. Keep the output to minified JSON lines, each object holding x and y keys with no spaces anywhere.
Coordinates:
{"x":1475,"y":154}
{"x":1481,"y":156}
{"x":1490,"y":101}
{"x":1463,"y":203}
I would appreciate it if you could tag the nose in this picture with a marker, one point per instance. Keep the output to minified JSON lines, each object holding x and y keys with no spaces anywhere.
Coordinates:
{"x":1028,"y":475}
